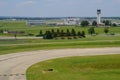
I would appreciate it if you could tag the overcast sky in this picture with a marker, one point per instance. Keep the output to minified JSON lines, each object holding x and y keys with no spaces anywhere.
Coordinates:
{"x":59,"y":8}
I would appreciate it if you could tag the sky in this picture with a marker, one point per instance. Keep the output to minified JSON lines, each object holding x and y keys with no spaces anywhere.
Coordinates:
{"x":59,"y":8}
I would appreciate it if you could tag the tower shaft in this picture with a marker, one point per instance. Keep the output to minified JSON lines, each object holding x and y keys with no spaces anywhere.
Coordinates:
{"x":98,"y":16}
{"x":98,"y":19}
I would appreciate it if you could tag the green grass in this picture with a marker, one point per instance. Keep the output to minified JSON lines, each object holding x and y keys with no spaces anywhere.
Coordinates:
{"x":77,"y":68}
{"x":21,"y":26}
{"x":12,"y":46}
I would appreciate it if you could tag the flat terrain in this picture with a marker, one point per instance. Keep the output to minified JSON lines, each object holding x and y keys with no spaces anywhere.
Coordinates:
{"x":8,"y":46}
{"x":21,"y":26}
{"x":105,"y":67}
{"x":13,"y":66}
{"x":27,"y":42}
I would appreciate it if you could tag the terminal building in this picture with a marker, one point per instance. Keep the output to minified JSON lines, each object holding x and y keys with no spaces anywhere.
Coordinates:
{"x":67,"y":21}
{"x":35,"y":22}
{"x":72,"y":21}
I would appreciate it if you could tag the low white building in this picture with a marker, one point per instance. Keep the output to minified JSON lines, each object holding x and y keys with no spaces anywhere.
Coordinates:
{"x":44,"y":22}
{"x":68,"y":21}
{"x":72,"y":21}
{"x":35,"y":22}
{"x":117,"y":23}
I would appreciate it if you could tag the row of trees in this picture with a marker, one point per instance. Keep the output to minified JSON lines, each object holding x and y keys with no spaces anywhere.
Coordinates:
{"x":61,"y":33}
{"x":94,"y":23}
{"x":50,"y":34}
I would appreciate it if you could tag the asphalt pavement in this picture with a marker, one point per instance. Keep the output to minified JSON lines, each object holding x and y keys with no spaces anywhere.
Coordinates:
{"x":14,"y":66}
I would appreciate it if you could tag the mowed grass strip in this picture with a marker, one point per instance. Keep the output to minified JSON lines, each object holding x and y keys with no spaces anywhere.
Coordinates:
{"x":88,"y":38}
{"x":57,"y":45}
{"x":105,"y":67}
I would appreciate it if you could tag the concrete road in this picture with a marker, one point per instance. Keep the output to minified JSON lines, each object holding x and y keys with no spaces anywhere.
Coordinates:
{"x":13,"y":66}
{"x":3,"y":37}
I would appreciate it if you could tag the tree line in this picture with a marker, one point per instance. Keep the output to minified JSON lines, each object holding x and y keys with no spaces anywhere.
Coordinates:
{"x":94,"y":23}
{"x":51,"y":34}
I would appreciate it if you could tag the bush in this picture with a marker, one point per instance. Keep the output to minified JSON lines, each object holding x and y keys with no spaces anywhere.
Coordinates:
{"x":91,"y":30}
{"x":30,"y":34}
{"x":112,"y":33}
{"x":62,"y":38}
{"x":106,"y":30}
{"x":75,"y":37}
{"x":69,"y":38}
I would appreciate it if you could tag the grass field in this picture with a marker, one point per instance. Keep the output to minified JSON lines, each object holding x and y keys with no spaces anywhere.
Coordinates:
{"x":21,"y":26}
{"x":18,"y":45}
{"x":12,"y":46}
{"x":77,"y":68}
{"x":74,"y":68}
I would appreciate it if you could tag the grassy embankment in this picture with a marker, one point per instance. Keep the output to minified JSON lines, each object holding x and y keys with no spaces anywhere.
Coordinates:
{"x":77,"y":68}
{"x":11,"y":46}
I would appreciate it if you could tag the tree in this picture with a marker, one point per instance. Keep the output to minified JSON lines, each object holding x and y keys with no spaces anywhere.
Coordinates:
{"x":114,"y":24}
{"x":41,"y":33}
{"x":1,"y":31}
{"x":52,"y":31}
{"x":94,"y":23}
{"x":83,"y":34}
{"x":62,"y":33}
{"x":58,"y":31}
{"x":73,"y":32}
{"x":48,"y":35}
{"x":54,"y":34}
{"x":79,"y":34}
{"x":84,"y":23}
{"x":91,"y":30}
{"x":106,"y":30}
{"x":68,"y":32}
{"x":107,"y":22}
{"x":15,"y":36}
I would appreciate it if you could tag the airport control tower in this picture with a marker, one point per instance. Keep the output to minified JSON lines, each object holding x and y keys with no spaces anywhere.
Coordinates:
{"x":98,"y":16}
